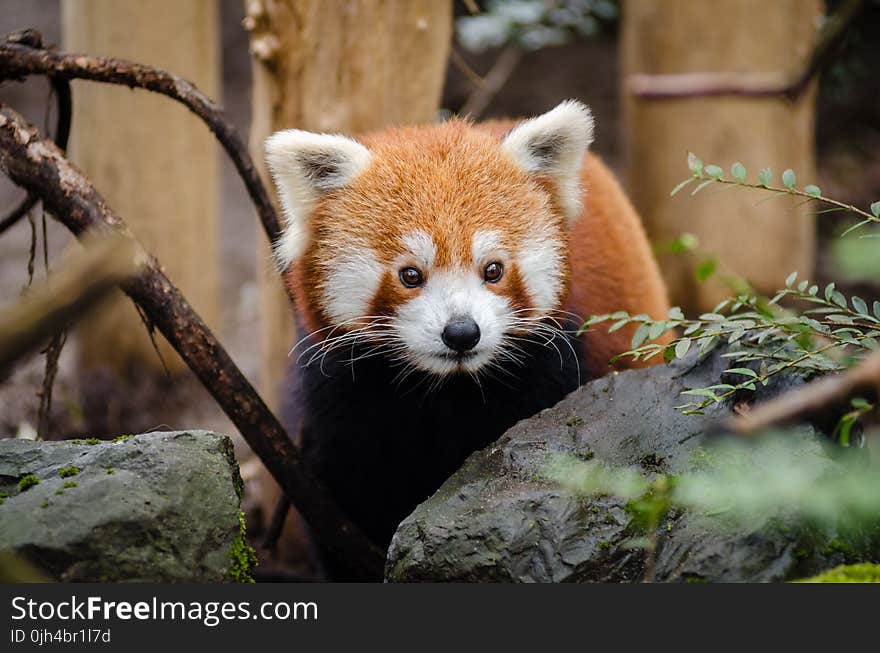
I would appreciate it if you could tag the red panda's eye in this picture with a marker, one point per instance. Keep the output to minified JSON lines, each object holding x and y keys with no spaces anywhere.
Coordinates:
{"x":492,"y":273}
{"x":411,"y":277}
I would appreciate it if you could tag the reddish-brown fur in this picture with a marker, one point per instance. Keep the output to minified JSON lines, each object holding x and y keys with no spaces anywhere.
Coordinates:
{"x":453,"y":179}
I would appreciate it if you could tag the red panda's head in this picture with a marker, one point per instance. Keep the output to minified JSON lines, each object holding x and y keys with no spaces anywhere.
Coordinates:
{"x":440,"y":245}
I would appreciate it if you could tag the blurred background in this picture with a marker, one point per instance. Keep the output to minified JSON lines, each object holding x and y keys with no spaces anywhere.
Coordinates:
{"x":356,"y":65}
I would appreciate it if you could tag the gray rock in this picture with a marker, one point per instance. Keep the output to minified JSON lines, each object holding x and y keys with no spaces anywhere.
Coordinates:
{"x":157,"y":507}
{"x":499,"y":519}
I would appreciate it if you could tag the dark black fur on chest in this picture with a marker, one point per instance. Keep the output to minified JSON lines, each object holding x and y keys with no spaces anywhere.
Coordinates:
{"x":383,"y":446}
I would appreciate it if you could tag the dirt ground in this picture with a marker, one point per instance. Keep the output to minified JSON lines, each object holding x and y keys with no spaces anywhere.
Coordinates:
{"x":849,"y":142}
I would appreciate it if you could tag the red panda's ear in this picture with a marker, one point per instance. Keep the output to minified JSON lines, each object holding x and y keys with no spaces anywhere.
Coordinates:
{"x":305,"y":166}
{"x":553,"y":145}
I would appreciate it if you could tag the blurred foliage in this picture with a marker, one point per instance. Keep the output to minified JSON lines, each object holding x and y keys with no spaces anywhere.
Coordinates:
{"x":534,"y":24}
{"x":802,"y":328}
{"x":864,"y":573}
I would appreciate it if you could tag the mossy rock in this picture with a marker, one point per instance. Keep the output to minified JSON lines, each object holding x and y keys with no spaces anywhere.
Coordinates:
{"x":169,"y":512}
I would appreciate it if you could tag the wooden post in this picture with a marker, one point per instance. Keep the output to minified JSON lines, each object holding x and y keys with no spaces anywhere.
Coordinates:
{"x":337,"y":66}
{"x":334,"y":66}
{"x":154,"y":162}
{"x":762,"y":244}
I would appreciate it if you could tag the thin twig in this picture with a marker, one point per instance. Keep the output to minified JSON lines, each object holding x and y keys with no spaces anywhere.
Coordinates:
{"x":23,"y":57}
{"x":465,"y":68}
{"x":493,"y":82}
{"x":61,"y":89}
{"x":41,"y":168}
{"x":863,"y":380}
{"x":711,"y":84}
{"x":47,"y":309}
{"x":276,"y":524}
{"x":471,"y":6}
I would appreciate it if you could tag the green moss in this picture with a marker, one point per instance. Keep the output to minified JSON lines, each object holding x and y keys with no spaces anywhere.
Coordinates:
{"x":59,"y":491}
{"x":837,"y":546}
{"x":121,"y":438}
{"x":695,"y":580}
{"x":575,"y":421}
{"x":242,"y":556}
{"x":864,"y":573}
{"x":27,"y":481}
{"x":2,"y":500}
{"x":605,"y":545}
{"x":110,"y":470}
{"x":93,"y":441}
{"x":67,"y":472}
{"x":69,"y":484}
{"x":45,"y":503}
{"x":3,"y":495}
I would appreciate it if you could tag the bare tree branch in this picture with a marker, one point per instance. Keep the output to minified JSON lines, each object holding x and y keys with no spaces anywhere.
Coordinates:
{"x":811,"y":400}
{"x":47,"y":310}
{"x":61,"y":88}
{"x":40,"y":167}
{"x":23,"y":56}
{"x":708,"y":84}
{"x":492,"y":82}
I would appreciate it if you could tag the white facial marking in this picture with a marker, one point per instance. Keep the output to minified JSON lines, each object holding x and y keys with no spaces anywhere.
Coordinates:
{"x":540,"y":266}
{"x":421,"y":247}
{"x":306,"y":166}
{"x":352,"y":278}
{"x":446,"y":295}
{"x":486,"y":244}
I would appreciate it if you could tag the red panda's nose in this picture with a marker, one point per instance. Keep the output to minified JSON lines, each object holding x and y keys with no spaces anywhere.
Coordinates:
{"x":461,"y":334}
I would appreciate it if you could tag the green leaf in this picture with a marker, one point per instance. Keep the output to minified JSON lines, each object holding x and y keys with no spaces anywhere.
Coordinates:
{"x":639,"y":336}
{"x":813,"y":191}
{"x":693,"y":327}
{"x":695,"y":165}
{"x":738,"y":170}
{"x":714,"y":171}
{"x":839,"y":299}
{"x":705,"y":269}
{"x":618,"y":324}
{"x":790,"y":279}
{"x":682,"y":347}
{"x":877,"y":310}
{"x":745,"y":371}
{"x":766,"y":176}
{"x":875,"y":209}
{"x":681,"y":185}
{"x":669,"y":354}
{"x":788,"y":178}
{"x":702,"y":185}
{"x":802,"y":286}
{"x":860,"y":305}
{"x":829,"y":289}
{"x":675,"y":313}
{"x":701,"y":392}
{"x":859,"y":402}
{"x":656,"y":330}
{"x":813,"y":290}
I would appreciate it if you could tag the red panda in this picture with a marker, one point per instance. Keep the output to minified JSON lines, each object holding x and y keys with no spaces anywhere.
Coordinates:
{"x":440,"y":274}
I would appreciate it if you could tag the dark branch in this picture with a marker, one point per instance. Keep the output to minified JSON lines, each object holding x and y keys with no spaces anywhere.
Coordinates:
{"x":707,"y":84}
{"x":813,"y":399}
{"x":22,"y":55}
{"x":46,"y":310}
{"x":41,"y":168}
{"x":61,"y":88}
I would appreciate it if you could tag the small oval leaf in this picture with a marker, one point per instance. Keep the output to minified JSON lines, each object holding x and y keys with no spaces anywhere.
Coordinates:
{"x":682,"y":347}
{"x":813,"y":191}
{"x":738,"y":170}
{"x":788,"y":178}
